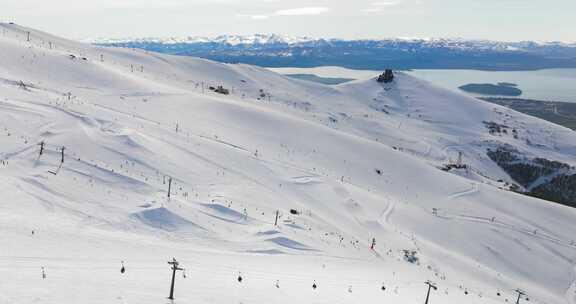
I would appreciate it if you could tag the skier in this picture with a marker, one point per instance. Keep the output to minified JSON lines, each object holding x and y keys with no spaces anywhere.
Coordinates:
{"x":373,"y":244}
{"x":123,"y":269}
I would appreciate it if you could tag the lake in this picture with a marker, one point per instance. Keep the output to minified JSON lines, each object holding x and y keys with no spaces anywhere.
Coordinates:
{"x":550,"y":84}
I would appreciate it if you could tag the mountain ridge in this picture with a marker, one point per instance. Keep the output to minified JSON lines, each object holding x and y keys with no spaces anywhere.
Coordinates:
{"x":286,"y":39}
{"x":441,"y":53}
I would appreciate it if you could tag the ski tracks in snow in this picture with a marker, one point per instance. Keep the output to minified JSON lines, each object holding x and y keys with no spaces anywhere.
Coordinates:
{"x":472,"y":190}
{"x":385,"y":216}
{"x":570,"y":293}
{"x":495,"y":222}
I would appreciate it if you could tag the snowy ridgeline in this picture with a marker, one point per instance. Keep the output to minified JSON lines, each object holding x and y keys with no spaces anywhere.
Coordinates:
{"x":111,"y":155}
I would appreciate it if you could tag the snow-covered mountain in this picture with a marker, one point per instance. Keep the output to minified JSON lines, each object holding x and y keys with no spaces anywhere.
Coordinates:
{"x":222,"y":39}
{"x":455,"y":43}
{"x":93,"y":138}
{"x":398,"y":53}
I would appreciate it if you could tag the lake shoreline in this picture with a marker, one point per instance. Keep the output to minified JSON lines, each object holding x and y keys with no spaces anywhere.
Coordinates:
{"x":546,"y":84}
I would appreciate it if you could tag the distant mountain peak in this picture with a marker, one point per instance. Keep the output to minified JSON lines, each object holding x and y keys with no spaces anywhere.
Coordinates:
{"x":263,"y":39}
{"x":222,"y":39}
{"x":275,"y":50}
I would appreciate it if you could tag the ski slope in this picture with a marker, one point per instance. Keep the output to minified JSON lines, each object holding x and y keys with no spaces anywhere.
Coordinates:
{"x":357,"y":161}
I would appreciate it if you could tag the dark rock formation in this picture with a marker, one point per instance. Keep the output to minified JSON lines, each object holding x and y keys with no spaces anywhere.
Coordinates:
{"x":386,"y":77}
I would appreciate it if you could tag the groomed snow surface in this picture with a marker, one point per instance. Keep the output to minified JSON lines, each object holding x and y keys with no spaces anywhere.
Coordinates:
{"x":356,"y":161}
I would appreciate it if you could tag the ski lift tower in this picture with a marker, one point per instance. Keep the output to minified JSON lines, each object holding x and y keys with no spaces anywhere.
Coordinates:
{"x":175,"y":267}
{"x":520,"y":294}
{"x":430,"y":286}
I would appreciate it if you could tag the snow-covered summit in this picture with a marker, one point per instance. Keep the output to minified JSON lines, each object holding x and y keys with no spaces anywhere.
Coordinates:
{"x":263,"y":39}
{"x":111,"y":155}
{"x":224,"y":39}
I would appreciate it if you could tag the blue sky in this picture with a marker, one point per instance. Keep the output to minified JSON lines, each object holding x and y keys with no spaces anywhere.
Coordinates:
{"x":512,"y":20}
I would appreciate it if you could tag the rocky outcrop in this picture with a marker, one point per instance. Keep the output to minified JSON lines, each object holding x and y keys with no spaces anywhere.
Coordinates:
{"x":386,"y":77}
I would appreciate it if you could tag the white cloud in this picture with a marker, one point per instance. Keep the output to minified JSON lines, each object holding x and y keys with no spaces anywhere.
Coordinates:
{"x":386,"y":3}
{"x":302,"y":11}
{"x":255,"y":17}
{"x":372,"y":10}
{"x":381,"y":6}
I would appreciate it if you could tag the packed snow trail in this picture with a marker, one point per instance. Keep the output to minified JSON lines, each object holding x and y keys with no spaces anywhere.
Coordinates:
{"x":472,"y":190}
{"x":532,"y":231}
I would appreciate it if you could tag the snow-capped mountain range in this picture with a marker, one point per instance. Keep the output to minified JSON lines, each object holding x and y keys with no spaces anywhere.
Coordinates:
{"x":399,"y":53}
{"x":259,"y":39}
{"x":224,"y":39}
{"x":268,"y":189}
